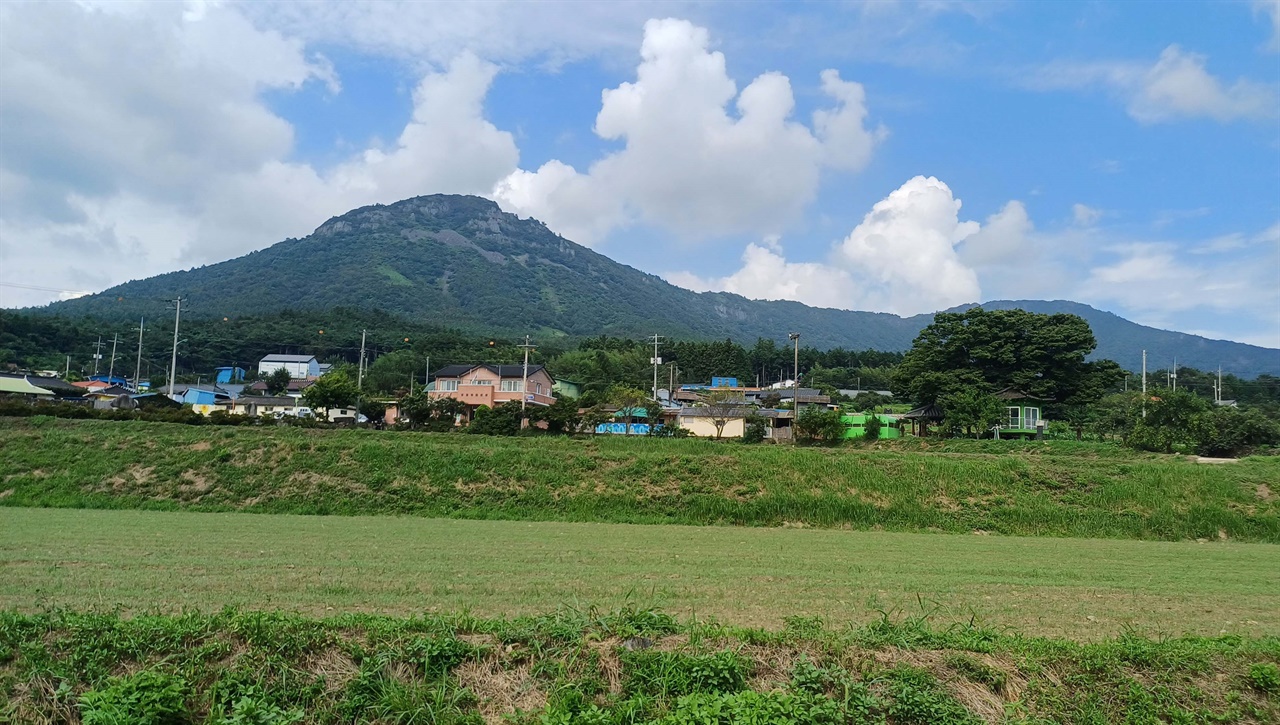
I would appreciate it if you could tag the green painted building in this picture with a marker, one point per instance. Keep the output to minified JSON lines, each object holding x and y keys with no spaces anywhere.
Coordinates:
{"x":1022,"y":416}
{"x":856,"y":426}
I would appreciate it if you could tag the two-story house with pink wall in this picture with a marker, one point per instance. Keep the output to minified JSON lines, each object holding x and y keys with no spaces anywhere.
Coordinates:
{"x":491,"y":385}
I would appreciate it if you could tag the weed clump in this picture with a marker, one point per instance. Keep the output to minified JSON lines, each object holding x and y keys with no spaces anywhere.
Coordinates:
{"x":145,"y":698}
{"x":1265,"y":677}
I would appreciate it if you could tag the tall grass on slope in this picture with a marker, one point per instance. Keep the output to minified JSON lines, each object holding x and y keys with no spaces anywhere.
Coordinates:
{"x":633,"y":665}
{"x":1030,"y":489}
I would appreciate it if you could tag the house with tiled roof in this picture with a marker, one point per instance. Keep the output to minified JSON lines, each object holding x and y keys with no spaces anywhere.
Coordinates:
{"x":493,"y":385}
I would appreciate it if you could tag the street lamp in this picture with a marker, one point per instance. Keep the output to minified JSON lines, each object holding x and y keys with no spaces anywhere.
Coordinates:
{"x":795,"y":383}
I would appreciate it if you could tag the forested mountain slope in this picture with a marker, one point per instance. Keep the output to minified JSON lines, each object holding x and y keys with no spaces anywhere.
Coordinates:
{"x":459,"y":261}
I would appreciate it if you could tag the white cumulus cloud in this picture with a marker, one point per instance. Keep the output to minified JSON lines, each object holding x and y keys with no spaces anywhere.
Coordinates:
{"x":146,"y":145}
{"x":1178,"y":85}
{"x":689,"y":163}
{"x":902,"y":258}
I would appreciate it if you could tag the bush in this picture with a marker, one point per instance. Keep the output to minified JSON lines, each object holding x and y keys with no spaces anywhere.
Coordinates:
{"x":501,"y":420}
{"x":873,"y":426}
{"x":1230,"y":432}
{"x":755,"y":429}
{"x":815,"y":425}
{"x":669,"y":431}
{"x":145,"y":698}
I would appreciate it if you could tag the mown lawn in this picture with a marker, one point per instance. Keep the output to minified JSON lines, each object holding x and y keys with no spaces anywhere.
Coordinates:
{"x":1055,"y":488}
{"x":1077,"y":588}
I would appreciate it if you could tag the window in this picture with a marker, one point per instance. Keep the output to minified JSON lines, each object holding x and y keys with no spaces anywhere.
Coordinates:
{"x":1031,"y":417}
{"x":512,"y":386}
{"x":539,"y":389}
{"x":478,"y":381}
{"x":446,"y":385}
{"x":1015,"y":418}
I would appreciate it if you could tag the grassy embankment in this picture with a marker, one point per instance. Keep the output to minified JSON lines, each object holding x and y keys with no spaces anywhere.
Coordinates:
{"x":1033,"y":489}
{"x":1082,"y":589}
{"x":632,"y":666}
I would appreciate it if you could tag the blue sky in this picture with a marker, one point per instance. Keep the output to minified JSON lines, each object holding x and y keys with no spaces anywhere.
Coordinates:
{"x":891,"y":156}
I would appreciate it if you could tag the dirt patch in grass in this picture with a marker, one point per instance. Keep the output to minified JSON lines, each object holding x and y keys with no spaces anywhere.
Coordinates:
{"x":1263,"y":491}
{"x":501,"y":688}
{"x":334,"y":667}
{"x":134,"y":477}
{"x":610,"y":664}
{"x":200,"y":446}
{"x":7,"y":493}
{"x":195,"y":482}
{"x":873,"y":498}
{"x":774,"y":665}
{"x":307,"y":482}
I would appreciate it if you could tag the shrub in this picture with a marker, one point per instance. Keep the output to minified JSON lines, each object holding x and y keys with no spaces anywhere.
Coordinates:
{"x":872,"y":427}
{"x":755,"y":430}
{"x":501,"y":420}
{"x":669,"y":431}
{"x":815,"y":425}
{"x":1230,"y":432}
{"x":145,"y":698}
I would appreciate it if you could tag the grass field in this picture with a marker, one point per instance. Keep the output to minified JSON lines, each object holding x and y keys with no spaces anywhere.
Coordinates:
{"x":1076,"y":588}
{"x":1056,"y":488}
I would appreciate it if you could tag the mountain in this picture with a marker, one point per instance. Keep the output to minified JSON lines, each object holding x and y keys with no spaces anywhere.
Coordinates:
{"x":460,"y":261}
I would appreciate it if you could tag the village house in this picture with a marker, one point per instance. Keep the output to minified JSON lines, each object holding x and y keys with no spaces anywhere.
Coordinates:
{"x":293,"y":389}
{"x":299,"y":366}
{"x":492,"y":385}
{"x":700,"y":422}
{"x":255,"y":405}
{"x":1022,"y":414}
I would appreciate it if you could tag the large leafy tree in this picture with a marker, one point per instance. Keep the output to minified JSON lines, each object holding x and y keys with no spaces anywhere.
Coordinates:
{"x":335,"y":390}
{"x":278,"y":381}
{"x":970,"y":412}
{"x":987,"y":351}
{"x":561,"y":417}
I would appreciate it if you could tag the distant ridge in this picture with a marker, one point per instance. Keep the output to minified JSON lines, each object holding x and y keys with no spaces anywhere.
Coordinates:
{"x":461,"y":261}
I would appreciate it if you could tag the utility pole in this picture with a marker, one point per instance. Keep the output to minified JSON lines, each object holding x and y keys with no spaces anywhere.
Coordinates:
{"x":1173,"y":376}
{"x":1144,"y":383}
{"x":1218,"y":390}
{"x":524,"y":379}
{"x":173,"y":362}
{"x":137,"y":369}
{"x":360,"y":373}
{"x":656,"y":361}
{"x":67,"y":374}
{"x":97,"y":353}
{"x":795,"y":384}
{"x":111,"y":370}
{"x":426,"y":379}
